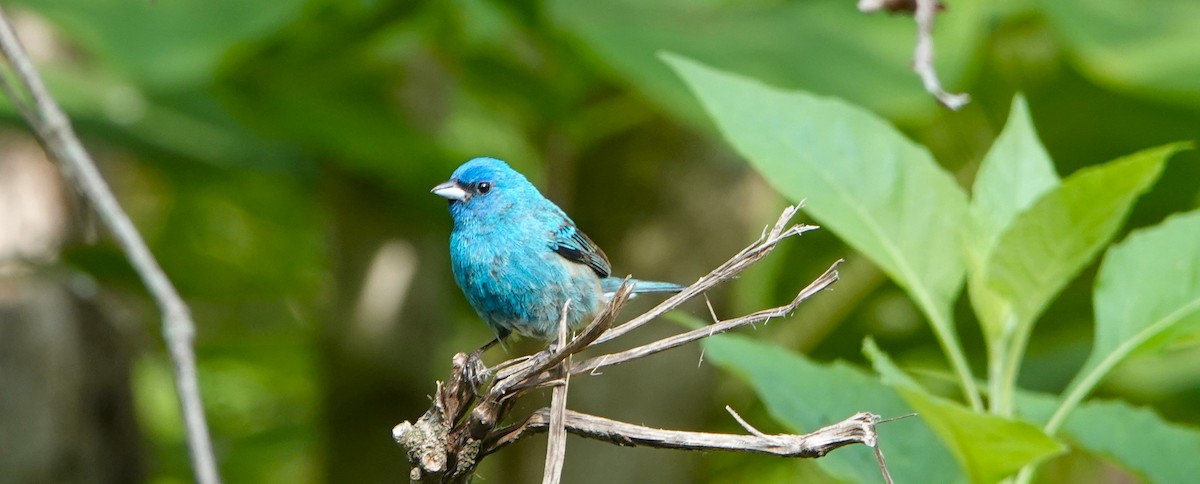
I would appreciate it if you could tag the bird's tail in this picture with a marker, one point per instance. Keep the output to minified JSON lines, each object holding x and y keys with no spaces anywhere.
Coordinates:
{"x":610,"y":285}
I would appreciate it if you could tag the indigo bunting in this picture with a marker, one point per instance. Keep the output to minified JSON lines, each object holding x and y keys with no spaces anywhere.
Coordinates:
{"x":518,"y":258}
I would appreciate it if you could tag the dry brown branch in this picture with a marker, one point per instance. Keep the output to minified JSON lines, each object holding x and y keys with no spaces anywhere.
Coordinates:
{"x":595,"y":363}
{"x":858,"y":429}
{"x":54,"y":132}
{"x":923,"y":57}
{"x":924,"y":11}
{"x":735,"y":265}
{"x":464,"y":425}
{"x":556,"y":442}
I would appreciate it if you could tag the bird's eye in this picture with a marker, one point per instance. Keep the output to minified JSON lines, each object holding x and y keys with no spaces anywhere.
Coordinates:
{"x":483,"y":187}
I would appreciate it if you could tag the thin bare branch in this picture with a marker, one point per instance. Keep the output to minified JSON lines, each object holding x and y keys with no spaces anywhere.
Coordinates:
{"x":825,"y":280}
{"x":711,"y":312}
{"x":54,"y":131}
{"x":858,"y":429}
{"x":924,"y":12}
{"x":735,"y":265}
{"x":556,"y":442}
{"x":746,"y":425}
{"x":883,"y":469}
{"x":923,"y":57}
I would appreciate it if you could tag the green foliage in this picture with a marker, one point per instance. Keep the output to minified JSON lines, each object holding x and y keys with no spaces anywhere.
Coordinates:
{"x":1026,"y":236}
{"x":1135,"y":438}
{"x":1049,"y":243}
{"x":805,"y":396}
{"x":1015,"y":173}
{"x":1147,"y":297}
{"x":1046,"y":246}
{"x":878,"y":191}
{"x":988,"y":447}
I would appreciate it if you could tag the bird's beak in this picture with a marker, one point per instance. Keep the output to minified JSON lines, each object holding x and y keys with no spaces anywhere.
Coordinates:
{"x":450,"y":190}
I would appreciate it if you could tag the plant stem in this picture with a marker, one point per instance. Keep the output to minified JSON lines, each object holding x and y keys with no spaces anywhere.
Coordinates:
{"x":954,"y":352}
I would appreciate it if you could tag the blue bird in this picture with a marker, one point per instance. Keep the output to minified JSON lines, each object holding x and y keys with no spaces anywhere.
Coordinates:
{"x":518,"y":258}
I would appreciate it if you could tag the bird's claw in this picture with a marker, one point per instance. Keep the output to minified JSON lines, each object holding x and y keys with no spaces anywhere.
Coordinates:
{"x":476,"y":373}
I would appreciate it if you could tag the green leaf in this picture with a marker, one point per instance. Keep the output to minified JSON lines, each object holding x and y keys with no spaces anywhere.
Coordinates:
{"x":988,"y":447}
{"x":824,"y":46}
{"x":805,"y":396}
{"x":1147,"y":294}
{"x":1149,"y":285}
{"x":1147,"y":48}
{"x":1016,"y":172}
{"x":1135,"y":438}
{"x":1051,"y":242}
{"x":880,"y":192}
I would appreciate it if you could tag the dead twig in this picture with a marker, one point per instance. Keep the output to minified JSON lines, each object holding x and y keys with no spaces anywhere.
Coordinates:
{"x":858,"y":429}
{"x":924,"y":12}
{"x":592,"y":364}
{"x":732,"y":267}
{"x":556,"y":443}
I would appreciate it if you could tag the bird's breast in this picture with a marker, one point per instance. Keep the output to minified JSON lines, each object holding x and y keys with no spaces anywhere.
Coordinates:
{"x":522,"y":286}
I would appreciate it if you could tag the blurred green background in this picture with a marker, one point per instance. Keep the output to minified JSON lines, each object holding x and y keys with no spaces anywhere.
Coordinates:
{"x":277,"y":155}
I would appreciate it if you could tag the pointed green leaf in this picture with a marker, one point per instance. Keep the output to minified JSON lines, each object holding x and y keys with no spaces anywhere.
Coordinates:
{"x":1135,"y":438}
{"x":1016,"y":172}
{"x":1149,"y":285}
{"x":1147,"y":293}
{"x":1051,"y":242}
{"x":988,"y":447}
{"x":805,"y":396}
{"x":877,"y":190}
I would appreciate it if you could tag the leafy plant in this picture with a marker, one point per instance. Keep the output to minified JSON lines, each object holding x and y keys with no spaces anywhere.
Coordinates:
{"x":1023,"y":236}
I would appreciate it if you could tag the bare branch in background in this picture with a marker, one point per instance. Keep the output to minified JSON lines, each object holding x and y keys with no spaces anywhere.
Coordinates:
{"x":53,"y":130}
{"x":463,"y":425}
{"x":924,"y":12}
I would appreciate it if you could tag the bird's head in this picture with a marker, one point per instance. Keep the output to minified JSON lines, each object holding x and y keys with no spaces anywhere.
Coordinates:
{"x":484,"y":185}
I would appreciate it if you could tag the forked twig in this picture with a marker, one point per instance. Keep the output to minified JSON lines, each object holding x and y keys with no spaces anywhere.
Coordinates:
{"x":732,"y":267}
{"x":824,"y":280}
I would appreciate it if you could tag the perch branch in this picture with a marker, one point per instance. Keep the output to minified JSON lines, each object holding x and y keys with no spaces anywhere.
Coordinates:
{"x":449,"y":440}
{"x":53,"y":130}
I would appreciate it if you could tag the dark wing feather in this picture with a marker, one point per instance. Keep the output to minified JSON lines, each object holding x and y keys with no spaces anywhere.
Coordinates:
{"x":575,"y":246}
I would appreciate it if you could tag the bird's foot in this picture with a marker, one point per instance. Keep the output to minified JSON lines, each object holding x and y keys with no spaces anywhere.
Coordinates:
{"x":477,"y":373}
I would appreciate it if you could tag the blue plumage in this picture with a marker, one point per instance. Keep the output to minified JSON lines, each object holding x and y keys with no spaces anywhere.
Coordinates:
{"x":518,"y":257}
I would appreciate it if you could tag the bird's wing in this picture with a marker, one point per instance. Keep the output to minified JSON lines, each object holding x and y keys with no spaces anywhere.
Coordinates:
{"x":575,"y":246}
